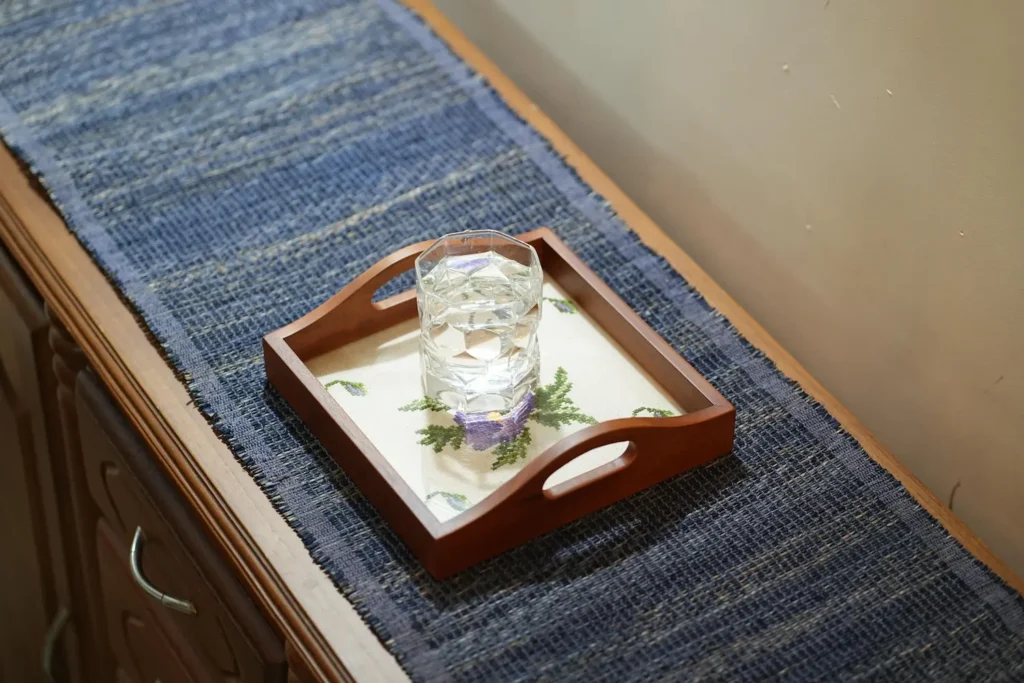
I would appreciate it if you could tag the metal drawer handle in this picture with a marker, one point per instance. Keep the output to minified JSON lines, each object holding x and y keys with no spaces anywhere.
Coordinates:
{"x":135,"y":560}
{"x":50,"y":641}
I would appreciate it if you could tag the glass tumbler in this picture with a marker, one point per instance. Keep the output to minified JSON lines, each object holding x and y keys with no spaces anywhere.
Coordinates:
{"x":479,"y":296}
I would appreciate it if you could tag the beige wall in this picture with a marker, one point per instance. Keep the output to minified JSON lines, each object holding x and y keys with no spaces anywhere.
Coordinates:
{"x":879,"y":237}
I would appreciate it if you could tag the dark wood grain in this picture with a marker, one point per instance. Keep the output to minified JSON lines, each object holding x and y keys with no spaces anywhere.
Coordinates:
{"x":298,"y":671}
{"x":143,"y":649}
{"x":81,"y":514}
{"x":23,"y":614}
{"x":35,"y":565}
{"x":26,"y":591}
{"x":521,"y":508}
{"x":228,"y":639}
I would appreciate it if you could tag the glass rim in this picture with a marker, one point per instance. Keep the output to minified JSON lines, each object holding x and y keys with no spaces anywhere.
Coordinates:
{"x":467,"y":234}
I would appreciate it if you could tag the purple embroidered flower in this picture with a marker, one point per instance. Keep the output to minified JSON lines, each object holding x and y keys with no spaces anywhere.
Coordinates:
{"x":467,"y":265}
{"x":484,"y":430}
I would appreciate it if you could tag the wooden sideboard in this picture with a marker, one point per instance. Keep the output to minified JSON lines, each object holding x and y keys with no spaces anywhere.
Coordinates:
{"x":99,"y":532}
{"x":136,"y":548}
{"x":105,"y":444}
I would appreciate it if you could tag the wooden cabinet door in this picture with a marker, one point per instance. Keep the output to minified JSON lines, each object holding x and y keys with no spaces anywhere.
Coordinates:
{"x":33,"y":581}
{"x":225,"y":638}
{"x":22,"y":608}
{"x":143,"y":649}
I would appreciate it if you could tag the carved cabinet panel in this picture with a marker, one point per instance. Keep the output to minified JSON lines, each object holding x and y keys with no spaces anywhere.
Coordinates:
{"x":23,"y":627}
{"x":35,"y":597}
{"x":224,"y":638}
{"x":142,"y":647}
{"x":76,"y":483}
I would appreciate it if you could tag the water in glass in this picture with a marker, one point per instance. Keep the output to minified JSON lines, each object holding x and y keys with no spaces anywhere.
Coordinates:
{"x":479,"y":297}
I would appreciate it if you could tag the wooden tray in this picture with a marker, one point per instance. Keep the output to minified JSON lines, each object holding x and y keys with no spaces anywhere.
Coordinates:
{"x":591,"y":467}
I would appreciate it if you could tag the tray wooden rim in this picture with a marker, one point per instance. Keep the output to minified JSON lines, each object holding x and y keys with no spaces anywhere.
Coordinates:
{"x":497,"y":523}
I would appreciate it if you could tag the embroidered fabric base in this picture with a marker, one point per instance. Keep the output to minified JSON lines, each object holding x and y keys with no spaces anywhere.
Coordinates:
{"x":231,"y":165}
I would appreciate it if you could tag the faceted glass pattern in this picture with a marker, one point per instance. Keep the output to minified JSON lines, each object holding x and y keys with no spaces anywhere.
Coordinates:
{"x":479,"y":297}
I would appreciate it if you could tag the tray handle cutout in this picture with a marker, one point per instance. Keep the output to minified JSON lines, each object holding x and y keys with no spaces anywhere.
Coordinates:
{"x":656,"y":447}
{"x":352,"y":313}
{"x":361,"y":291}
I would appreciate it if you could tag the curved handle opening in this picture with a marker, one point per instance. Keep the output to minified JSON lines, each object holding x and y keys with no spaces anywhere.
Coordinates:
{"x":402,"y":282}
{"x":355,"y":312}
{"x":592,"y":465}
{"x":387,"y":279}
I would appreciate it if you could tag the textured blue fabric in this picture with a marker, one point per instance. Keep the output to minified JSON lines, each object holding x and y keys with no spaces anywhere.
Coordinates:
{"x":230,"y":165}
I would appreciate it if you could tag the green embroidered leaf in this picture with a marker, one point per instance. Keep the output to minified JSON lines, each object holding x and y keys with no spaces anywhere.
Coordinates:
{"x":562,"y":418}
{"x":455,"y":501}
{"x":550,"y":396}
{"x":655,"y":412}
{"x":438,"y":437}
{"x":354,"y":388}
{"x":425,"y":403}
{"x":511,"y":452}
{"x":563,"y":305}
{"x":554,"y":408}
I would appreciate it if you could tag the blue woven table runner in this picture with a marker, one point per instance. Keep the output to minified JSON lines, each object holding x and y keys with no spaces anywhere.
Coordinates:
{"x":230,"y":165}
